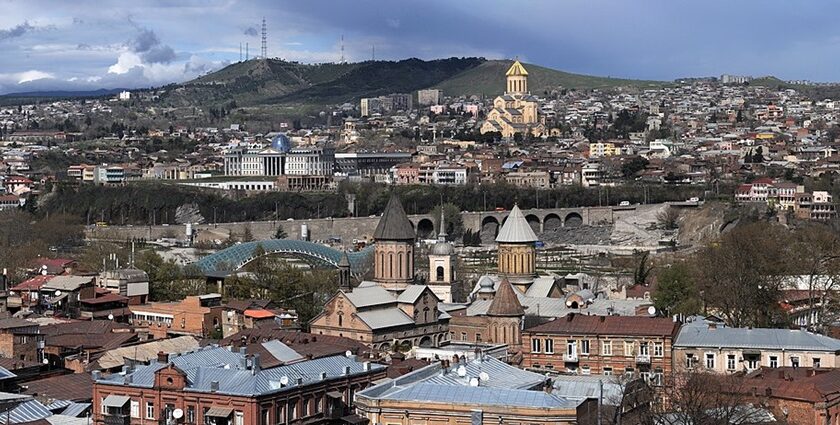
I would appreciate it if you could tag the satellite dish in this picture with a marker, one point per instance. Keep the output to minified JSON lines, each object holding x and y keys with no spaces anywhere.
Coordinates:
{"x":284,"y":380}
{"x":462,"y":371}
{"x":110,"y":316}
{"x":473,"y":382}
{"x":57,"y":292}
{"x":43,"y":270}
{"x":484,"y":376}
{"x":348,"y":353}
{"x":45,"y":361}
{"x":652,"y":310}
{"x":568,"y":304}
{"x":230,"y":313}
{"x":177,"y":413}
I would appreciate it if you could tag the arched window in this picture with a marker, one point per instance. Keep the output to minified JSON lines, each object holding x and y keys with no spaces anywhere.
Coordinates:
{"x":400,"y":264}
{"x":426,"y":315}
{"x":340,"y":319}
{"x":391,"y":264}
{"x":439,"y":274}
{"x":504,"y":335}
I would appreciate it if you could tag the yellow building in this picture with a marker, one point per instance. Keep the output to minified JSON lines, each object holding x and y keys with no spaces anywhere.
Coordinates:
{"x":601,"y":149}
{"x":516,"y":111}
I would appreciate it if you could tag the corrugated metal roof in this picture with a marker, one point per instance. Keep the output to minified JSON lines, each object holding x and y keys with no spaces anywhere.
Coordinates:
{"x":411,"y":293}
{"x":281,"y":352}
{"x":481,"y":396}
{"x":28,"y":411}
{"x":769,"y":339}
{"x":369,"y":294}
{"x":516,"y":229}
{"x":145,"y":352}
{"x":76,"y":409}
{"x":385,"y":318}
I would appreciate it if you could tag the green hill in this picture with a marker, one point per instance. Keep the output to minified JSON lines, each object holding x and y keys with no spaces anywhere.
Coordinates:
{"x":272,"y":81}
{"x":488,"y":79}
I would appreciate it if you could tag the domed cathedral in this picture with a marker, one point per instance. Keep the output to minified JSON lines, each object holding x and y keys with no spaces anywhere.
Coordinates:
{"x":516,"y":111}
{"x":394,"y":248}
{"x":442,"y":262}
{"x":517,"y":251}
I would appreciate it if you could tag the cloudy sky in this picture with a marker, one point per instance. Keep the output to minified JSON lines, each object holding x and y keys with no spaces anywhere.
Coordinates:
{"x":80,"y":45}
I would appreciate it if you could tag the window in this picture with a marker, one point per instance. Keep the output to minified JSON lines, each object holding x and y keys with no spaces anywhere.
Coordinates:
{"x":150,"y":410}
{"x":319,"y":404}
{"x":816,"y":362}
{"x":628,"y":372}
{"x":644,"y":349}
{"x":730,"y":362}
{"x":549,"y":346}
{"x":752,"y":361}
{"x":190,"y":414}
{"x":628,"y":348}
{"x":102,"y":406}
{"x":279,"y":414}
{"x":607,"y":371}
{"x":535,"y":365}
{"x":477,"y":337}
{"x":774,"y":361}
{"x":645,"y":376}
{"x":606,"y":348}
{"x":463,"y":336}
{"x":710,"y":360}
{"x":584,"y":370}
{"x":656,"y":379}
{"x":658,"y":349}
{"x":135,"y":409}
{"x":584,"y":346}
{"x":238,"y":418}
{"x":293,"y":413}
{"x":535,"y":345}
{"x":690,"y":361}
{"x":794,"y":361}
{"x":264,"y":416}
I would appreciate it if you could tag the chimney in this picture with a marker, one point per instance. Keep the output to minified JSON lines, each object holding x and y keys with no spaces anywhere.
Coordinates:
{"x":128,"y":379}
{"x":299,"y":381}
{"x":243,"y":350}
{"x":712,"y":325}
{"x":96,"y":375}
{"x":323,"y":376}
{"x":346,"y":370}
{"x":570,"y":317}
{"x":255,"y":366}
{"x":162,"y":357}
{"x":366,"y":366}
{"x":214,"y":386}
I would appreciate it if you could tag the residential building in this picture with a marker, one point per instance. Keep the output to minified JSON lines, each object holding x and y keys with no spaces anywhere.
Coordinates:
{"x":369,"y":164}
{"x":803,"y":396}
{"x":727,"y":350}
{"x":429,"y":97}
{"x":608,"y":345}
{"x":529,"y":179}
{"x":199,"y":315}
{"x":216,"y":386}
{"x":130,"y":283}
{"x":21,"y":340}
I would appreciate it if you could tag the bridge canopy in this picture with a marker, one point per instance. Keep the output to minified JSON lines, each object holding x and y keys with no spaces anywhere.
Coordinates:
{"x":237,"y":256}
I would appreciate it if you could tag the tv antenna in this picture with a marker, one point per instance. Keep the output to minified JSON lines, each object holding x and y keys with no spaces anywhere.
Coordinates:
{"x":342,"y":49}
{"x":264,"y":48}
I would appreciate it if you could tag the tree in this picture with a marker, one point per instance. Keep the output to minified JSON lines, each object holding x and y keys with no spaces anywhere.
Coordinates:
{"x":643,"y":267}
{"x":668,"y":218}
{"x":452,"y":217}
{"x":633,"y":166}
{"x":700,"y":397}
{"x":676,"y":291}
{"x":758,"y":156}
{"x":817,"y":250}
{"x":247,"y":234}
{"x":280,"y":233}
{"x":742,"y":274}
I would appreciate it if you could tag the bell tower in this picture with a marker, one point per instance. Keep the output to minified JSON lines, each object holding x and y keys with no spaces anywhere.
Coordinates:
{"x":442,"y":265}
{"x":517,"y":79}
{"x":394,"y":248}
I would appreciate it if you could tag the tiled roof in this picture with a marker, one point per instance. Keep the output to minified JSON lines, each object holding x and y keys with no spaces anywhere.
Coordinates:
{"x":394,"y":224}
{"x":505,"y":302}
{"x":71,"y":387}
{"x":144,"y":352}
{"x":578,"y":324}
{"x":304,"y":343}
{"x":32,"y":284}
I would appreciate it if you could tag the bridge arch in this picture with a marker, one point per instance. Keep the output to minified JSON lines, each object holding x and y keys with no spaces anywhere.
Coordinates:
{"x":552,"y":222}
{"x":573,"y":219}
{"x":425,"y":229}
{"x":534,"y":222}
{"x":237,"y":256}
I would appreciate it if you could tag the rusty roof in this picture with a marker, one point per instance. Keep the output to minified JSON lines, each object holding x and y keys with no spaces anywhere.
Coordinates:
{"x":577,"y":324}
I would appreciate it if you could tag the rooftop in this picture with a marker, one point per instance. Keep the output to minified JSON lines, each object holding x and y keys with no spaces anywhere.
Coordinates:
{"x":578,"y":324}
{"x":768,"y":339}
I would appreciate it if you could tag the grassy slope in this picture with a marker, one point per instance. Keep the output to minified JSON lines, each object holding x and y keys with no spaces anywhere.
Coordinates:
{"x":488,"y":79}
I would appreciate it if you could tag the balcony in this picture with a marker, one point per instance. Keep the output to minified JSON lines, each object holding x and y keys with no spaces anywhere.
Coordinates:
{"x":643,"y":359}
{"x":570,"y":358}
{"x":117,"y":419}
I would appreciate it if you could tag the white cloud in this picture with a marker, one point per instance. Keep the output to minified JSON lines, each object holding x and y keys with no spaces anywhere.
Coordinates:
{"x":32,"y":75}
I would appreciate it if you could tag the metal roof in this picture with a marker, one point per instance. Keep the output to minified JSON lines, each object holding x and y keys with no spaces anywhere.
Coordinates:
{"x":145,"y":352}
{"x":369,"y":294}
{"x":28,"y":411}
{"x":411,"y":293}
{"x":75,"y":409}
{"x":385,"y":318}
{"x":769,"y":339}
{"x":281,"y":352}
{"x":516,"y":229}
{"x":481,"y":396}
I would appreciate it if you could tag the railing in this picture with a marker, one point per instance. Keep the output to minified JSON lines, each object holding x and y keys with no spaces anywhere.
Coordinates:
{"x":571,"y":357}
{"x":643,"y":358}
{"x":117,"y":419}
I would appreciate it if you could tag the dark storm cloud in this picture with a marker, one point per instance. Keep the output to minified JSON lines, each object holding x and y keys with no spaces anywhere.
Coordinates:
{"x":151,"y":50}
{"x":251,"y":31}
{"x":16,"y":31}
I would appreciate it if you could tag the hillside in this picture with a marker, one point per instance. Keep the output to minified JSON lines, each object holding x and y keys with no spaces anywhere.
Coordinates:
{"x":488,"y":79}
{"x":269,"y":82}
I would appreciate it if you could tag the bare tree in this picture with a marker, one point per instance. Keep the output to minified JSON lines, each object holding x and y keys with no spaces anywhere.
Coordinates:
{"x":698,"y":397}
{"x":817,"y":250}
{"x":668,"y":218}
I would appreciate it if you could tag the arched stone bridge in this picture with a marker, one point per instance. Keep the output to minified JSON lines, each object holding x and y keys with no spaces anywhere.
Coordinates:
{"x":540,"y":219}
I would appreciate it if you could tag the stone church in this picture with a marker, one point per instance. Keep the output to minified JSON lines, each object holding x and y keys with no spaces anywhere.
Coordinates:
{"x":391,"y":311}
{"x":516,"y":111}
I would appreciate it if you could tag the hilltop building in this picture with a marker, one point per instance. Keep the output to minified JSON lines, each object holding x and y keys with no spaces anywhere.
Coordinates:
{"x":516,"y":111}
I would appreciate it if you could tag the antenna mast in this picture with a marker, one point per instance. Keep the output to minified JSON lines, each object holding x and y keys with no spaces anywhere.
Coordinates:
{"x":342,"y":48}
{"x":240,"y":51}
{"x":373,"y":52}
{"x":264,"y":49}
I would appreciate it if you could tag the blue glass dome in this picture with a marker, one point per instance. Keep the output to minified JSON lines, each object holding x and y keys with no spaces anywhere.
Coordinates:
{"x":281,"y":143}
